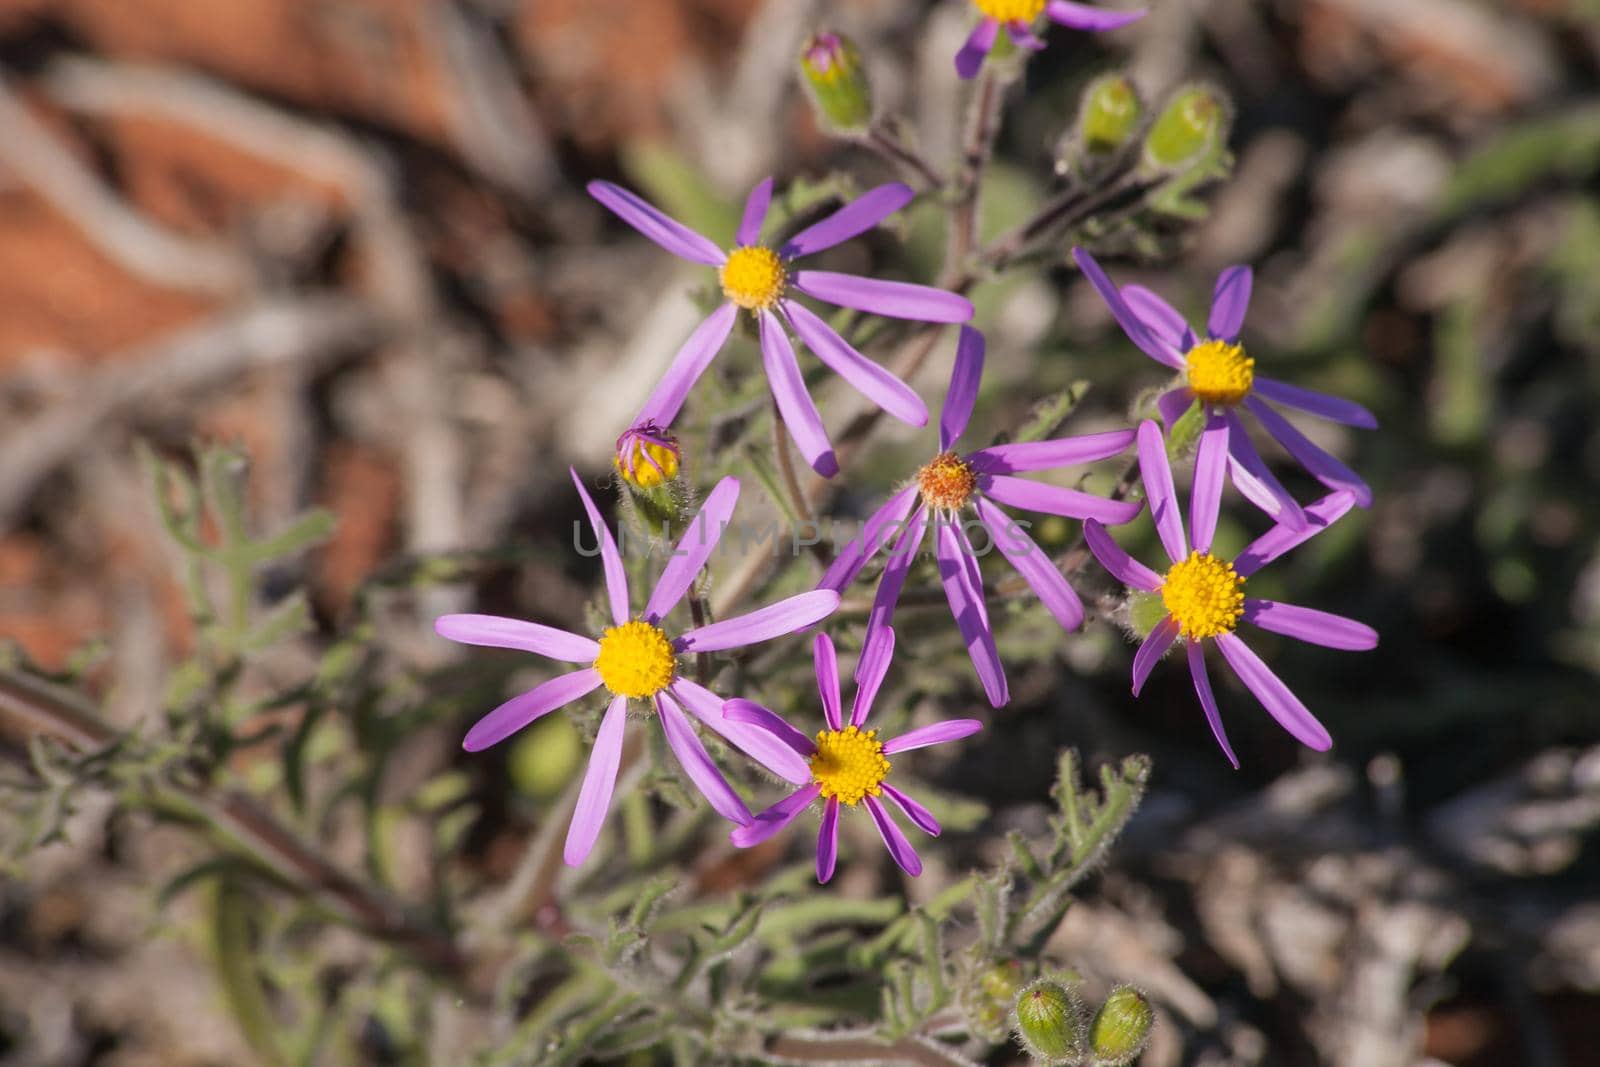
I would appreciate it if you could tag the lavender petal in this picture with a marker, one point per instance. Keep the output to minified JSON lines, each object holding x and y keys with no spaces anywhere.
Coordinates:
{"x":610,"y":558}
{"x":594,"y":796}
{"x":1210,"y":466}
{"x":1084,"y":17}
{"x":691,"y":361}
{"x":1150,"y":652}
{"x":1255,"y":481}
{"x":1035,"y":566}
{"x":697,"y":764}
{"x":1281,"y":538}
{"x":1282,"y":704}
{"x":970,"y":59}
{"x":963,"y":392}
{"x":1208,"y":700}
{"x":1123,"y":567}
{"x":1057,"y":499}
{"x":775,"y":818}
{"x":755,"y":213}
{"x":1308,"y":624}
{"x":855,"y":218}
{"x":920,"y":816}
{"x":1323,"y":467}
{"x":794,"y":403}
{"x":495,"y":631}
{"x":1229,"y":303}
{"x":524,"y":708}
{"x":894,"y":839}
{"x":1148,"y":342}
{"x":655,"y":224}
{"x":771,"y":753}
{"x":970,"y":617}
{"x":871,"y":669}
{"x":748,"y":711}
{"x":896,"y":300}
{"x":828,"y":841}
{"x":694,"y":549}
{"x":1333,"y":408}
{"x":827,"y":664}
{"x":868,"y":378}
{"x":775,"y":620}
{"x":876,"y":532}
{"x":1020,"y":456}
{"x":1160,"y":317}
{"x":933,"y":734}
{"x":1158,"y":490}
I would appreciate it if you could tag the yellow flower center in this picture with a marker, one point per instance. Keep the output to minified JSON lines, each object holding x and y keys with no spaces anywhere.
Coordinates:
{"x":947,"y":481}
{"x":1010,"y":10}
{"x":633,"y":463}
{"x":849,"y":764}
{"x":1203,"y":595}
{"x":1219,"y":372}
{"x":636,"y":660}
{"x":753,"y":277}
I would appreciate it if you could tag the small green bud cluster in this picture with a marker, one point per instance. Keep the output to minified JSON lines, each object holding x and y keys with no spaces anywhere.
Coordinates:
{"x":1055,"y":1028}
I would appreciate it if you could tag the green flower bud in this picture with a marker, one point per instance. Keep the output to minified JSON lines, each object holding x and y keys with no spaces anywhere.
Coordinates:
{"x":1121,"y":1027}
{"x":1110,"y":112}
{"x":1194,"y":123}
{"x":836,"y":82}
{"x":1050,"y":1022}
{"x":987,"y":998}
{"x":1145,"y":612}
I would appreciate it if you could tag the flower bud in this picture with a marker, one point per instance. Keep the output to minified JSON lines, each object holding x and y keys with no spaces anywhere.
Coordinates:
{"x":647,"y":456}
{"x":1110,"y":112}
{"x":987,"y":999}
{"x":837,"y":82}
{"x":1050,"y":1022}
{"x":1194,"y":123}
{"x":1121,"y":1027}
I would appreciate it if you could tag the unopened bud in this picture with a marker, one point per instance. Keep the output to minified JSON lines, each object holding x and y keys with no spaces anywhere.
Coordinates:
{"x":1050,"y":1022}
{"x":1121,"y":1028}
{"x":1194,"y":123}
{"x":988,"y":1000}
{"x":647,"y":456}
{"x":837,"y":82}
{"x":1110,"y":113}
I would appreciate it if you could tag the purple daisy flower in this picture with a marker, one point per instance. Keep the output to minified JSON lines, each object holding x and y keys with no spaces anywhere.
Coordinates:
{"x":942,"y":491}
{"x":1204,"y":596}
{"x":758,"y":279}
{"x":1018,"y":17}
{"x":845,"y":765}
{"x":647,"y":456}
{"x":635,"y":659}
{"x":1222,"y":378}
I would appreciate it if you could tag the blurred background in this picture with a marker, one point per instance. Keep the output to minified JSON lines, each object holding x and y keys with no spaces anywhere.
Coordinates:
{"x":350,"y":236}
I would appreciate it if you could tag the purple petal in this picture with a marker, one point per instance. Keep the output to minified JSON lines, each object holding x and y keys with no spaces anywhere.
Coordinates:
{"x":1323,"y":467}
{"x":694,"y":548}
{"x":1281,"y":538}
{"x":1208,"y":701}
{"x":1084,"y":17}
{"x":897,"y":300}
{"x":872,"y":381}
{"x":1273,"y":694}
{"x":1150,"y":652}
{"x":1174,"y":404}
{"x":970,"y":59}
{"x":1210,"y":465}
{"x":649,"y":220}
{"x":691,"y":361}
{"x":697,"y":764}
{"x":1056,"y":499}
{"x":1157,"y":475}
{"x":894,"y":839}
{"x":876,"y":532}
{"x":1022,"y":456}
{"x":748,"y":711}
{"x":969,"y":559}
{"x":494,"y":631}
{"x":1334,"y":408}
{"x":1151,"y":344}
{"x":1255,"y":481}
{"x":1022,"y":37}
{"x":610,"y":558}
{"x":894,"y":575}
{"x":755,"y":213}
{"x":871,"y":669}
{"x":794,"y":403}
{"x":933,"y":734}
{"x":1160,"y":317}
{"x":1308,"y":624}
{"x":1123,"y":567}
{"x":970,"y":616}
{"x":920,"y":816}
{"x":753,"y":741}
{"x":828,"y":840}
{"x":827,"y":663}
{"x":594,"y":796}
{"x":775,"y":818}
{"x":855,"y":218}
{"x":522,"y":709}
{"x":1229,"y":303}
{"x":963,"y":392}
{"x":1034,"y":564}
{"x":763,"y":624}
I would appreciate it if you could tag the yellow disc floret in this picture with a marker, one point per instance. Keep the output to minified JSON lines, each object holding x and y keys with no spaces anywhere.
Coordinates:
{"x":947,"y":481}
{"x":634,"y":463}
{"x":753,"y":277}
{"x":1203,"y":595}
{"x":636,"y":660}
{"x":849,"y":764}
{"x":1219,"y":372}
{"x":1010,"y":10}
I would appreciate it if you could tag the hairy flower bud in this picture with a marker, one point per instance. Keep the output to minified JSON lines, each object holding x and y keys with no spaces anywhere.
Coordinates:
{"x":1194,"y":123}
{"x":1050,"y":1022}
{"x":1110,"y":112}
{"x":648,"y":462}
{"x":837,"y":82}
{"x":1121,"y":1027}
